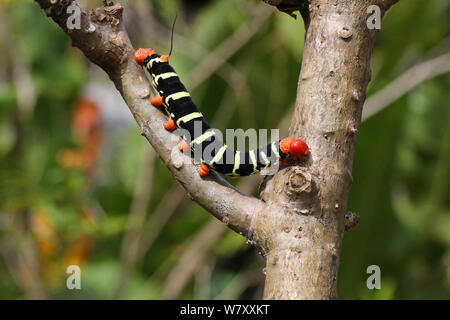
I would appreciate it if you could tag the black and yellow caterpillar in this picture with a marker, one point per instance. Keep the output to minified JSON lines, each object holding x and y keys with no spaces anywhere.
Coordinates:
{"x":184,"y":114}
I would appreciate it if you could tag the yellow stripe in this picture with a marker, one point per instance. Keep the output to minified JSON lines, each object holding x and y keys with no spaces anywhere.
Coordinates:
{"x":203,"y":137}
{"x":152,"y":61}
{"x":263,"y":155}
{"x":253,"y":159}
{"x":218,"y":155}
{"x":274,"y":150}
{"x":189,"y":117}
{"x":165,"y":76}
{"x":177,"y":95}
{"x":237,"y":160}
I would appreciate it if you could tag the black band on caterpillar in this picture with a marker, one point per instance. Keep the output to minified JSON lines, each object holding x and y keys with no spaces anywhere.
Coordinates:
{"x":184,"y":114}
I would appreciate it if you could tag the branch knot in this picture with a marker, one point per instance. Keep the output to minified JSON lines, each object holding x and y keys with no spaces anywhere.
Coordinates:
{"x":299,"y":181}
{"x":351,"y":220}
{"x":110,"y":13}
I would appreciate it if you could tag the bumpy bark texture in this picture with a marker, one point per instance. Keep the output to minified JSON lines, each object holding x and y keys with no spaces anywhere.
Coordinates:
{"x":302,"y":228}
{"x":299,"y":224}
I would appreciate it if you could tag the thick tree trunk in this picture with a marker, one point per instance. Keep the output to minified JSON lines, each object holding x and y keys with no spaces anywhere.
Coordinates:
{"x":301,"y":234}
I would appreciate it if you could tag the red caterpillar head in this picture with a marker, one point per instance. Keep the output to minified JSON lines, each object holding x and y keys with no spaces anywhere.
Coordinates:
{"x":141,"y":54}
{"x":296,"y":148}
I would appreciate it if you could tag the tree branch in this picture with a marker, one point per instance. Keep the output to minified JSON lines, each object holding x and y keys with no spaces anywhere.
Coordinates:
{"x":302,"y":239}
{"x":104,"y":41}
{"x":407,"y":81}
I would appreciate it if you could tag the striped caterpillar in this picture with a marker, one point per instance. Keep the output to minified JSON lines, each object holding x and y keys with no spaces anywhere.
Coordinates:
{"x":184,"y":114}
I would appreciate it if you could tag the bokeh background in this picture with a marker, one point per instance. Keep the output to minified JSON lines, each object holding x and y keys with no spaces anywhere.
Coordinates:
{"x":79,"y":185}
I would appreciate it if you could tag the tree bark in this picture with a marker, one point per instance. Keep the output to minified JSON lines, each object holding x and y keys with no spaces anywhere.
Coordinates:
{"x":299,"y":222}
{"x":301,"y":234}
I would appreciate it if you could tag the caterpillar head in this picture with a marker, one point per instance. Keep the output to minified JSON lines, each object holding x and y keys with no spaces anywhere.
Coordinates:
{"x":141,"y":54}
{"x":295,"y":148}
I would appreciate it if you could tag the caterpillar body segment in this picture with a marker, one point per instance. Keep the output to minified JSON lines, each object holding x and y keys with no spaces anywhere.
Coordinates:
{"x":184,"y":114}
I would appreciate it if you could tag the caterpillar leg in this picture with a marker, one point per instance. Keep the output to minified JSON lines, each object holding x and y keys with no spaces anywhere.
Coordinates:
{"x":157,"y":101}
{"x":169,"y":125}
{"x":183,"y":146}
{"x":204,"y":170}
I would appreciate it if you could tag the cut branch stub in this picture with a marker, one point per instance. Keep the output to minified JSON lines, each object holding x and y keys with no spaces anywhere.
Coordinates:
{"x":299,"y":181}
{"x":351,"y":220}
{"x":294,"y":189}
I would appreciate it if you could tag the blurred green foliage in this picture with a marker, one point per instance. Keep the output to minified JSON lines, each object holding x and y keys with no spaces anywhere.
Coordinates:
{"x":66,"y":215}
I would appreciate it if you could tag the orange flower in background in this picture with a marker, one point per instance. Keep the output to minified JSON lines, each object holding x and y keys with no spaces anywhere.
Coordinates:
{"x":86,"y":120}
{"x":53,"y":260}
{"x":78,"y":251}
{"x":44,"y":232}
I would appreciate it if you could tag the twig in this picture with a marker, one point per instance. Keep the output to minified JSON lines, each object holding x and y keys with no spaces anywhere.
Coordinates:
{"x":406,"y":82}
{"x":136,"y":218}
{"x":189,"y":261}
{"x":229,"y":47}
{"x":243,"y":280}
{"x":20,"y":257}
{"x":172,"y":200}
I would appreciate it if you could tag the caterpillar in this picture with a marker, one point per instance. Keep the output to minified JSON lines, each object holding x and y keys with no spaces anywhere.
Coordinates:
{"x":184,"y":114}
